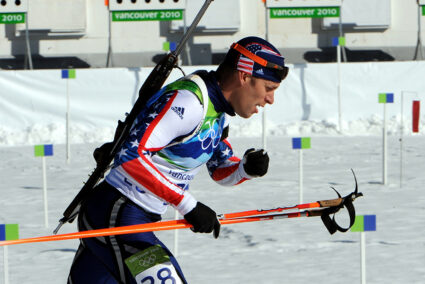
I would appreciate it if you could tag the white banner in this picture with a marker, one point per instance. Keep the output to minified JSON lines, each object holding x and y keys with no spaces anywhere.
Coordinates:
{"x":36,"y":100}
{"x":302,"y":3}
{"x":127,"y":5}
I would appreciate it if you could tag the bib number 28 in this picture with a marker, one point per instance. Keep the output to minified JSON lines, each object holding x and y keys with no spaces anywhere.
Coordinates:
{"x":164,"y":276}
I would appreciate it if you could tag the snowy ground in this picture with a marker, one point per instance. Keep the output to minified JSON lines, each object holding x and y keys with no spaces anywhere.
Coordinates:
{"x":280,"y":251}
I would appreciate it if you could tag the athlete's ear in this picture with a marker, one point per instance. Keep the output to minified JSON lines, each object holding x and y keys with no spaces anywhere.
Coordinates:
{"x":243,"y":77}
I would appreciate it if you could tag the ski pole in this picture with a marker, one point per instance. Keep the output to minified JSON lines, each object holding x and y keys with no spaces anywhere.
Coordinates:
{"x":152,"y":227}
{"x":182,"y":224}
{"x":317,"y":204}
{"x":327,"y":207}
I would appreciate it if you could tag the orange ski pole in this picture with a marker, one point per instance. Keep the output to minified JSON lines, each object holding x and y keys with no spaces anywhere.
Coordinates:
{"x":151,"y":227}
{"x":327,"y":207}
{"x":317,"y":204}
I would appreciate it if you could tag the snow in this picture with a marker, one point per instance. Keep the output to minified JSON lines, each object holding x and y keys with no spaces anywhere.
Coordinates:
{"x":279,"y":251}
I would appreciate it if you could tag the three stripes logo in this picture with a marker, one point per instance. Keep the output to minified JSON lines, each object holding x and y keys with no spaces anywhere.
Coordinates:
{"x":259,"y":71}
{"x":179,"y":111}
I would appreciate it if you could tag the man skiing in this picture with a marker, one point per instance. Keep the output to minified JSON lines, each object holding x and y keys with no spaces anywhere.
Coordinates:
{"x":182,"y":127}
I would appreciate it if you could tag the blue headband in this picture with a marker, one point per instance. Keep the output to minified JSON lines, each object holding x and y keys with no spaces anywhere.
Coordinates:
{"x":260,"y":59}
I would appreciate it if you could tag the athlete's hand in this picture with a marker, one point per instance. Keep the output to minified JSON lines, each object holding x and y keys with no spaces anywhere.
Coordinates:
{"x":255,"y":162}
{"x":102,"y":151}
{"x":203,"y":219}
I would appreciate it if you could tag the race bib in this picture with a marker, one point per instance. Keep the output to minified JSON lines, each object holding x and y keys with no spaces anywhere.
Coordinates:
{"x":152,"y":266}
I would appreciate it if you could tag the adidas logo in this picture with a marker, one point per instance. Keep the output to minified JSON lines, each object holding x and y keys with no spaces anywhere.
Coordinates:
{"x":179,"y":111}
{"x":260,"y":71}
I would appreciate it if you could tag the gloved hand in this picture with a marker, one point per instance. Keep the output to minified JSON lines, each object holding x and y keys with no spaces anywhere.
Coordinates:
{"x":255,"y":162}
{"x":101,"y":151}
{"x":203,"y":219}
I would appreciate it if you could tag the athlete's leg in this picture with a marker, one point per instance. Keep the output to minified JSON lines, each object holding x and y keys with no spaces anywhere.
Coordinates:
{"x":118,"y":254}
{"x":86,"y":268}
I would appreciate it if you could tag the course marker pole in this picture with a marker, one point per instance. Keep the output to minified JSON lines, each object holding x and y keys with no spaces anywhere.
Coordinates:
{"x":7,"y":232}
{"x":385,"y":98}
{"x":264,"y":115}
{"x":363,"y":223}
{"x":68,"y":74}
{"x":43,"y":151}
{"x":301,"y":143}
{"x":339,"y":42}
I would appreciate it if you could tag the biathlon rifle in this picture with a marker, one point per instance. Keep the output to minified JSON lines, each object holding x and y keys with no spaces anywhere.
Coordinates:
{"x":322,"y":208}
{"x":105,"y":156}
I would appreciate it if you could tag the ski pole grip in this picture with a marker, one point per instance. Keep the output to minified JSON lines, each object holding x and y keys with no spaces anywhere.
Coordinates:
{"x":330,"y":202}
{"x":314,"y":213}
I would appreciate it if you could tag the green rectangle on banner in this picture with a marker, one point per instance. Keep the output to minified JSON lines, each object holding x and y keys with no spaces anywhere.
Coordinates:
{"x":12,"y":232}
{"x":39,"y":150}
{"x":305,"y":143}
{"x":71,"y":73}
{"x":12,"y":18}
{"x":304,"y":12}
{"x":358,"y":225}
{"x":147,"y":15}
{"x":423,"y":10}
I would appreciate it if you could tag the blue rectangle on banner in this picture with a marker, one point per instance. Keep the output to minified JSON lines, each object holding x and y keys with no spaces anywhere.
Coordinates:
{"x":2,"y":232}
{"x":369,"y":222}
{"x":296,"y":143}
{"x":48,"y":150}
{"x":65,"y":73}
{"x":390,"y":98}
{"x":173,"y":46}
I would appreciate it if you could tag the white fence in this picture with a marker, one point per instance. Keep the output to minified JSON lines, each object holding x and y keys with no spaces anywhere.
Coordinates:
{"x":33,"y":103}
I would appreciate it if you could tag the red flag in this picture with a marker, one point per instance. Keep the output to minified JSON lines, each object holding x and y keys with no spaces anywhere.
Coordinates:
{"x":415,"y":115}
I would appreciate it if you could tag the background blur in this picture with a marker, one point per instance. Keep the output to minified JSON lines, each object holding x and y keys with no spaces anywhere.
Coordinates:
{"x":84,"y":34}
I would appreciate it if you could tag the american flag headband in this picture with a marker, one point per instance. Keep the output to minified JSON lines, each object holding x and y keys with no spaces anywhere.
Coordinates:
{"x":281,"y":71}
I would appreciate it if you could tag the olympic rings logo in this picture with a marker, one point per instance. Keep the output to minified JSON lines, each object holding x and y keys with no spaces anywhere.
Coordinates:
{"x":147,"y":261}
{"x":208,"y":138}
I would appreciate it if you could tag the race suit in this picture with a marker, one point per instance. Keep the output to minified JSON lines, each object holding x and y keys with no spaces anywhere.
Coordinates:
{"x":180,"y":129}
{"x":153,"y":174}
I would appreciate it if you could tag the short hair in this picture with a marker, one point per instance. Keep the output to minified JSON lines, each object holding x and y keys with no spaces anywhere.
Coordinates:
{"x":228,"y":66}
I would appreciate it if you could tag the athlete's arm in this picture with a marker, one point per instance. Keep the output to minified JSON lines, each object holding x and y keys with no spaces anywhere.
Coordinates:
{"x":225,"y":168}
{"x":173,"y":116}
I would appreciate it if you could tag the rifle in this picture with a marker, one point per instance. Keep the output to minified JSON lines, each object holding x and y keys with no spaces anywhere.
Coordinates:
{"x":151,"y":86}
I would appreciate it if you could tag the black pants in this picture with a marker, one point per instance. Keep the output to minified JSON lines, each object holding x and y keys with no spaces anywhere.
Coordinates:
{"x":102,"y":259}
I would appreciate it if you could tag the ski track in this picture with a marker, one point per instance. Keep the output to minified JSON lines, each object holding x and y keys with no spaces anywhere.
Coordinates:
{"x":281,"y":251}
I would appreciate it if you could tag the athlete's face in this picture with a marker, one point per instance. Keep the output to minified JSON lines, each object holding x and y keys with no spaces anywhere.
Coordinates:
{"x":254,"y":93}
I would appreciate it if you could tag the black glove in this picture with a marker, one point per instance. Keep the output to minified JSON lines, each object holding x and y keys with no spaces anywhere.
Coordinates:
{"x":255,"y":162}
{"x":100,"y":152}
{"x":203,"y":219}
